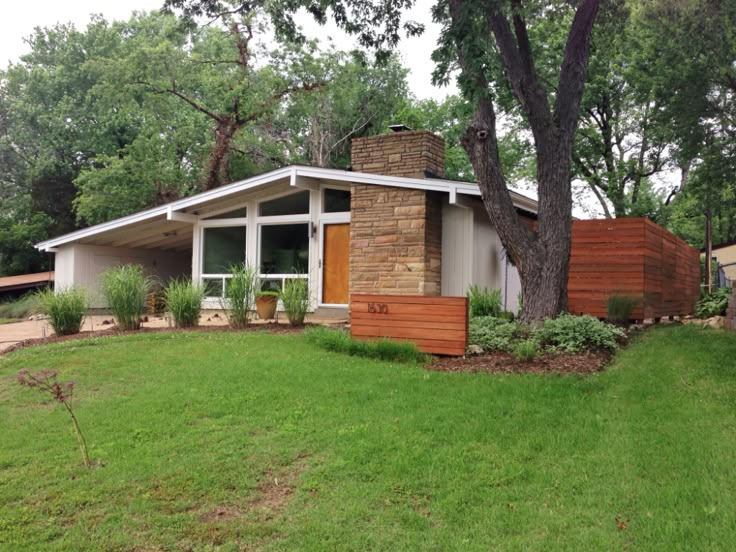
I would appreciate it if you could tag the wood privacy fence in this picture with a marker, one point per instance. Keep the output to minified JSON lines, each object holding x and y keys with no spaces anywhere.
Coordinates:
{"x":631,"y":257}
{"x":436,"y":325}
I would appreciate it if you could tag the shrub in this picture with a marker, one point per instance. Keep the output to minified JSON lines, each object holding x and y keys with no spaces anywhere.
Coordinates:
{"x":240,"y":291}
{"x":493,"y":334}
{"x":339,"y":341}
{"x":295,"y":298}
{"x":526,"y":350}
{"x":126,"y":289}
{"x":576,"y":334}
{"x":620,"y":307}
{"x":184,"y":302}
{"x":22,"y":307}
{"x":484,"y":302}
{"x":713,"y":304}
{"x":65,"y":308}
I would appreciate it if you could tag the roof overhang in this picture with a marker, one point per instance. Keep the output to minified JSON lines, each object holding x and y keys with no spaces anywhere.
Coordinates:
{"x":180,"y":211}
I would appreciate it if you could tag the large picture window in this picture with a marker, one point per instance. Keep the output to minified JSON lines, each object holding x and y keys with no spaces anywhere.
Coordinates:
{"x":223,"y":247}
{"x":285,"y":248}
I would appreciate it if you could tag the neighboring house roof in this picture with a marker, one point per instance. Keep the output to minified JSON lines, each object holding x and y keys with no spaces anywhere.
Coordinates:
{"x":720,"y":246}
{"x":25,"y":281}
{"x":298,"y":177}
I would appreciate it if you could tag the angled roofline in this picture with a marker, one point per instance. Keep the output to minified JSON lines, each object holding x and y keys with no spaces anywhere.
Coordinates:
{"x":292,"y":172}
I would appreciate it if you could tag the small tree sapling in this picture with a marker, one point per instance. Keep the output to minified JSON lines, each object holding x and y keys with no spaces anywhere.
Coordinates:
{"x":45,"y":382}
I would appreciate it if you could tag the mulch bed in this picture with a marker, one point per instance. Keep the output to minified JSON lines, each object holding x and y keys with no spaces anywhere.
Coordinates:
{"x":115,"y":332}
{"x":506,"y":363}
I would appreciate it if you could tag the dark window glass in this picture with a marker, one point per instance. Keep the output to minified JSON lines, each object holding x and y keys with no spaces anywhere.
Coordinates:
{"x":212,"y":287}
{"x":336,"y":201}
{"x":284,"y":248}
{"x":294,"y":204}
{"x":223,"y":247}
{"x":237,"y":213}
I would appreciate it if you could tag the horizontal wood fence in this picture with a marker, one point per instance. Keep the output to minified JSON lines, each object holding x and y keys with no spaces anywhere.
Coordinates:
{"x":437,"y":325}
{"x":632,"y":257}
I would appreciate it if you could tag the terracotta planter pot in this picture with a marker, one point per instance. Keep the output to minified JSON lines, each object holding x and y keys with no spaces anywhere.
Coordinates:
{"x":266,"y":307}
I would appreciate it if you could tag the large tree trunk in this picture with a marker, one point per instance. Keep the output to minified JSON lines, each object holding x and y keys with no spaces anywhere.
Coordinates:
{"x":542,"y":257}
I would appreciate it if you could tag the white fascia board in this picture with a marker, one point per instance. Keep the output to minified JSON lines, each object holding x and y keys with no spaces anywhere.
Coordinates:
{"x":435,"y":185}
{"x":163,"y":210}
{"x":180,"y":217}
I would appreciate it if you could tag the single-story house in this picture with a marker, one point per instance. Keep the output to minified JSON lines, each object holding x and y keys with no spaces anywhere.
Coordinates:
{"x":393,"y":224}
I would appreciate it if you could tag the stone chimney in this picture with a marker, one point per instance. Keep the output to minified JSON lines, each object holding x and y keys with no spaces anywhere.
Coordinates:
{"x":396,"y":233}
{"x":407,"y":153}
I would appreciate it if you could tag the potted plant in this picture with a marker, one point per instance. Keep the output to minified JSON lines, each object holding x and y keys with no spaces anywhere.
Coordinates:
{"x":266,"y":302}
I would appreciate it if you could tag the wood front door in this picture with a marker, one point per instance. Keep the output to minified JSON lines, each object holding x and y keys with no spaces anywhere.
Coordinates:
{"x":335,"y":264}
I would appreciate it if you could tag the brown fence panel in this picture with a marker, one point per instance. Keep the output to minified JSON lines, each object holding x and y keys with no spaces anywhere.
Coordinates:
{"x":436,"y":325}
{"x":635,"y":257}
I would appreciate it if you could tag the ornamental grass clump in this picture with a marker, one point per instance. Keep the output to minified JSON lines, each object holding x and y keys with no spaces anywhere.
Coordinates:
{"x":125,"y":289}
{"x":526,"y":351}
{"x":295,"y":298}
{"x":620,"y":307}
{"x":65,"y":308}
{"x":45,"y":382}
{"x":184,"y":302}
{"x":484,"y":302}
{"x":240,"y":293}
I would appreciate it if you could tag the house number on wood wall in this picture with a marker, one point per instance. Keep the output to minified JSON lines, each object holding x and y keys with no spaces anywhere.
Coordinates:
{"x":378,"y":308}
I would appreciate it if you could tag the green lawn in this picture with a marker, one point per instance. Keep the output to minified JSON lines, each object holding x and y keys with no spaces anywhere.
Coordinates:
{"x":222,"y":441}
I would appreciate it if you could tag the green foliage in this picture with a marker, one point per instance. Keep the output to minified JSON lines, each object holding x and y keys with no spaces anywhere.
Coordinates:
{"x":484,"y":302}
{"x":65,"y":308}
{"x":713,"y":304}
{"x":295,"y":298}
{"x":184,"y":302}
{"x":339,"y":341}
{"x":240,"y":291}
{"x":493,"y":334}
{"x":577,"y":334}
{"x":620,"y":307}
{"x":125,"y":289}
{"x":526,"y":351}
{"x":268,"y":294}
{"x":22,"y":307}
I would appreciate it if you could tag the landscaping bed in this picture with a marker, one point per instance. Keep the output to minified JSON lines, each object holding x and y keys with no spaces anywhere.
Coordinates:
{"x":498,"y":362}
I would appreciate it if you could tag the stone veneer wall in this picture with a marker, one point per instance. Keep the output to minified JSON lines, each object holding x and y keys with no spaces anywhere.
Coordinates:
{"x":412,"y":154}
{"x":395,"y":241}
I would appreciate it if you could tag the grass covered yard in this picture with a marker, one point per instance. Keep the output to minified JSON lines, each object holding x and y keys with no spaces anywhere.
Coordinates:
{"x":224,"y":441}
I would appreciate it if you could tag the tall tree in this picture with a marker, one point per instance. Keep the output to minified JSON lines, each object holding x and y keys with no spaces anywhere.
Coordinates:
{"x":490,"y":44}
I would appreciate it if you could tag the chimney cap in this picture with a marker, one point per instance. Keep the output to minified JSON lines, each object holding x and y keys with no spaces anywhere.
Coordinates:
{"x":399,"y":128}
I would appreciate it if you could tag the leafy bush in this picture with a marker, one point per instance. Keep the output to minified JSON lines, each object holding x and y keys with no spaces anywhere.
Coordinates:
{"x":576,"y":334}
{"x":339,"y":341}
{"x":484,"y":302}
{"x":126,"y":289}
{"x":713,"y":304}
{"x":184,"y":302}
{"x":65,"y":308}
{"x":240,"y":291}
{"x":22,"y":307}
{"x":493,"y":334}
{"x":526,"y":350}
{"x":620,"y":307}
{"x":295,"y":298}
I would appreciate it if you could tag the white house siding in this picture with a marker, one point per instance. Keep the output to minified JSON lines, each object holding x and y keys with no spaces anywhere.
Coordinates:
{"x":457,"y":250}
{"x":82,"y":265}
{"x":472,"y":254}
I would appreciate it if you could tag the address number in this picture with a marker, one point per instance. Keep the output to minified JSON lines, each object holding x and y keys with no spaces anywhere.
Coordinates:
{"x":378,"y":308}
